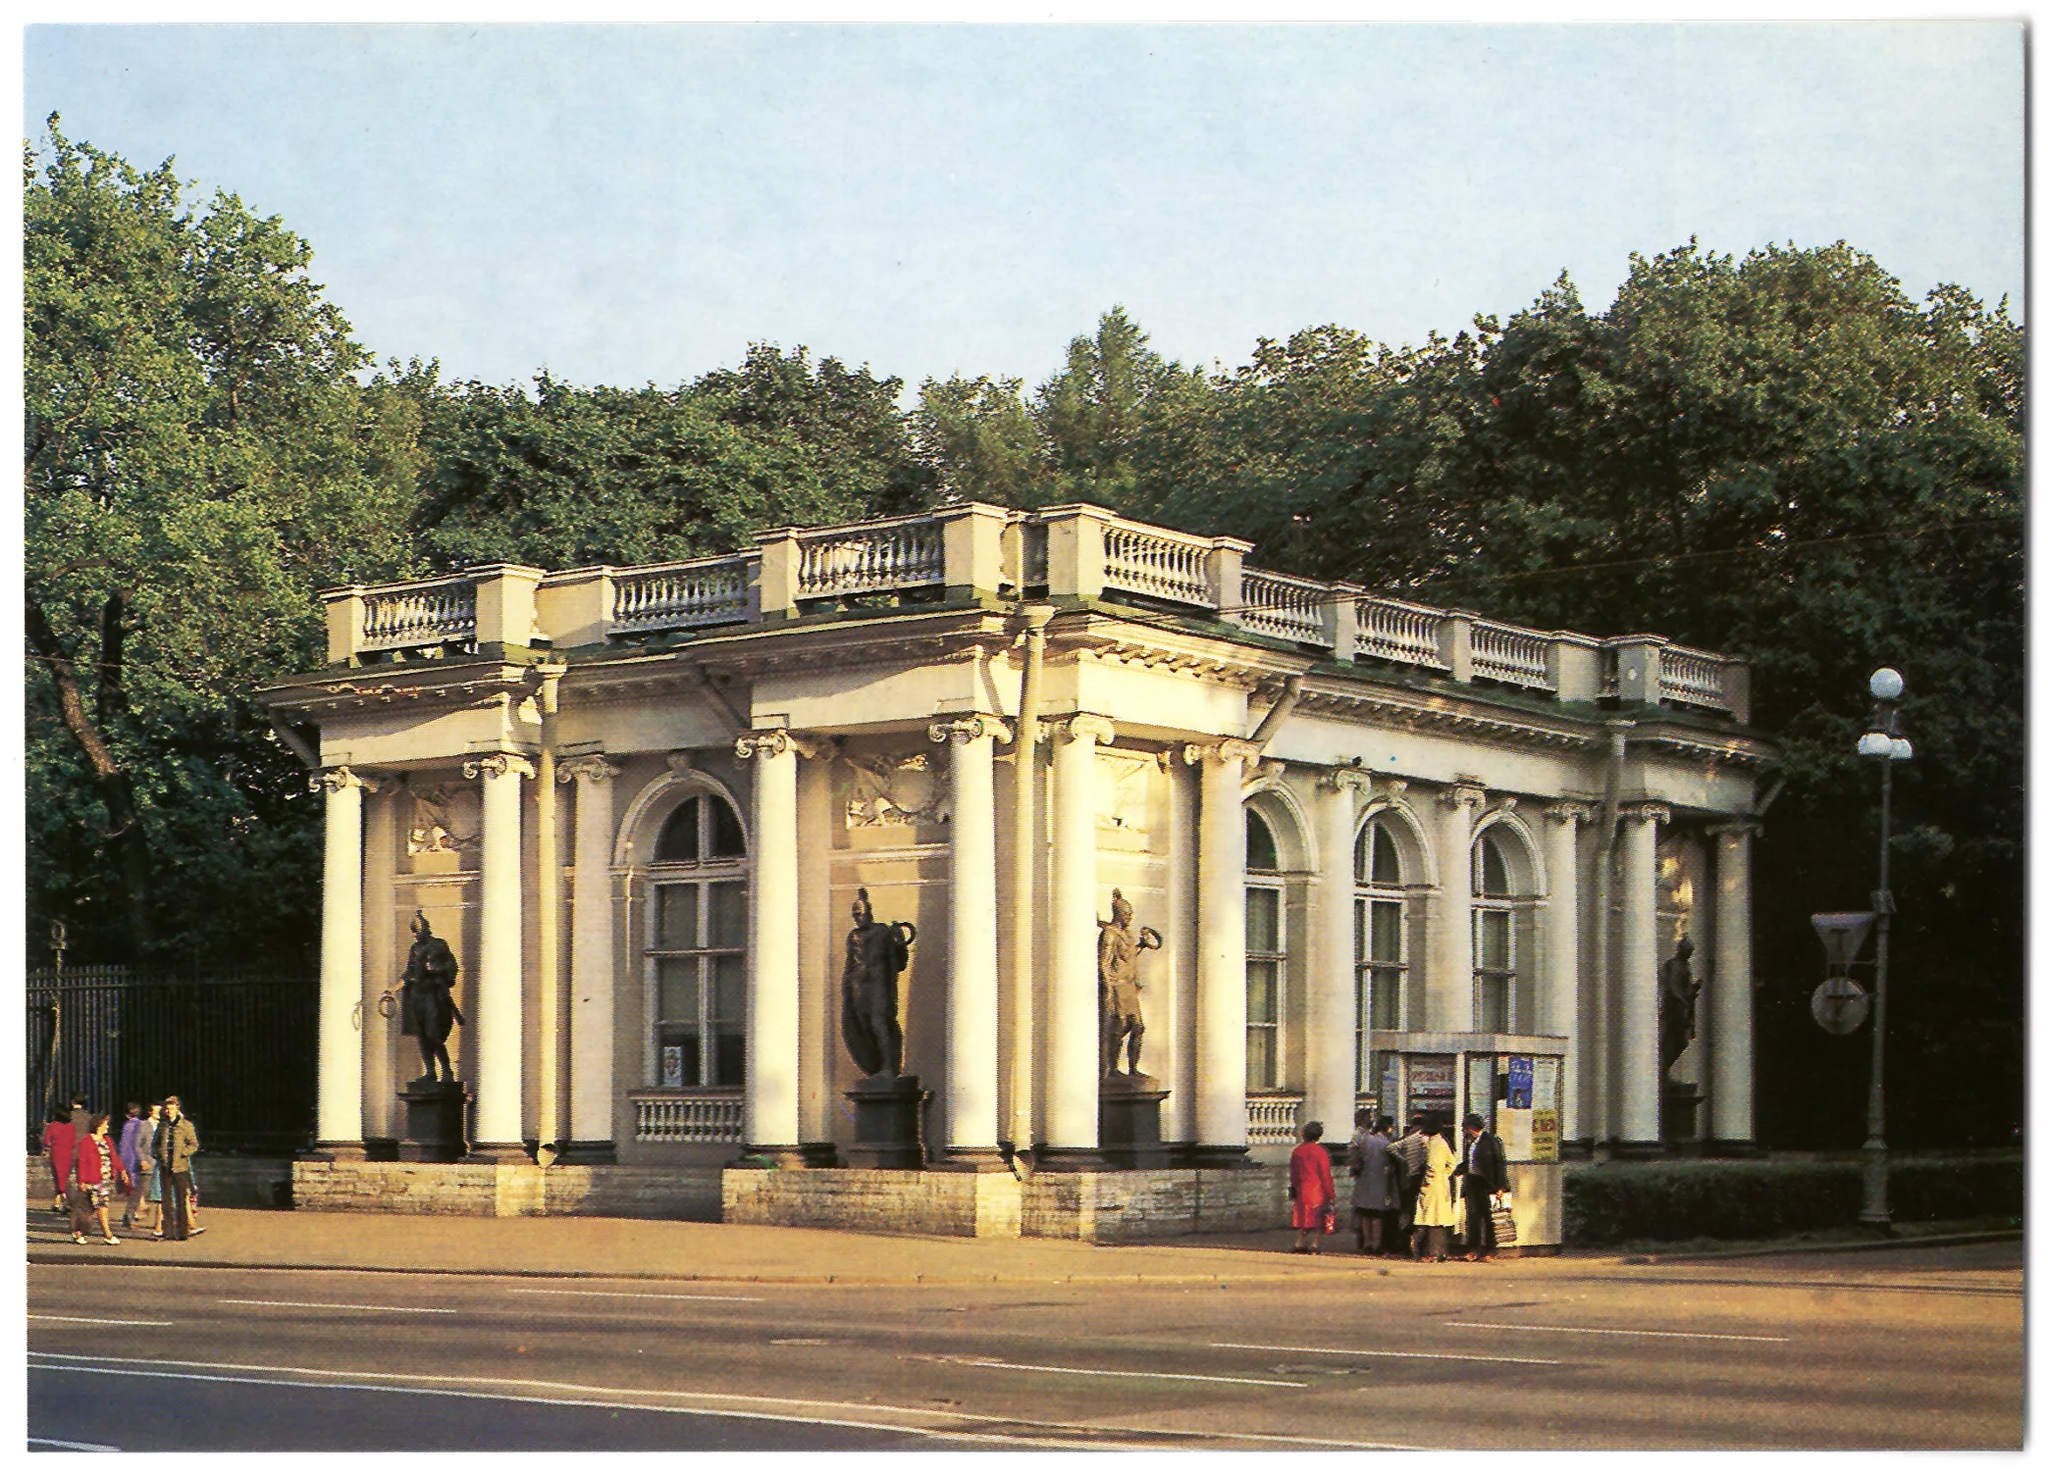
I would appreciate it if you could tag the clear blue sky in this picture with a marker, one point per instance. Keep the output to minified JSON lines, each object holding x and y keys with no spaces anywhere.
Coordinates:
{"x":622,"y":204}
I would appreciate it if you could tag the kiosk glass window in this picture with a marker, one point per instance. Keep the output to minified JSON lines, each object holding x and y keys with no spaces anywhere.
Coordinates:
{"x":696,"y":948}
{"x":1265,"y":956}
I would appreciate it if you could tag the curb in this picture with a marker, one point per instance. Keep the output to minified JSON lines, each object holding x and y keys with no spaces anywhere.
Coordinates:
{"x":1930,"y":1241}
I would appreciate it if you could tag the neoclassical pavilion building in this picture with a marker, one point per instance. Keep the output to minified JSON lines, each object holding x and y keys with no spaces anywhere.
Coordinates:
{"x":1396,"y":855}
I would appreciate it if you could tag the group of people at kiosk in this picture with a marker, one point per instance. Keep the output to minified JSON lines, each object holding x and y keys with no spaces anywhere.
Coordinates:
{"x":1408,"y":1194}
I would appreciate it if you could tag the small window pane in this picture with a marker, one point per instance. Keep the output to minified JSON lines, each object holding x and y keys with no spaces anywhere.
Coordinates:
{"x":1492,"y":867}
{"x":1493,"y":1006}
{"x":679,"y":838}
{"x":1494,"y":941}
{"x":726,"y":839}
{"x":675,"y":920}
{"x":1262,"y":992}
{"x":1262,"y":921}
{"x":728,"y":990}
{"x":1386,"y":859}
{"x":1259,"y":1058}
{"x":730,"y":1045}
{"x":1361,"y":930}
{"x":1259,"y":850}
{"x":682,"y":1055}
{"x":677,"y":990}
{"x":1386,"y":998}
{"x":728,"y":907}
{"x":1386,"y":931}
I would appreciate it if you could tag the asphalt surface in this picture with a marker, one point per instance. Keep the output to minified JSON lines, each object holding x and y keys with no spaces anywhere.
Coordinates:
{"x":269,"y":1332}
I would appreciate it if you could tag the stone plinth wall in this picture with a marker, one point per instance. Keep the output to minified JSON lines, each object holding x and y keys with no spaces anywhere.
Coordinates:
{"x":958,"y":1204}
{"x":225,"y":1182}
{"x":1116,"y":1207}
{"x":487,"y":1190}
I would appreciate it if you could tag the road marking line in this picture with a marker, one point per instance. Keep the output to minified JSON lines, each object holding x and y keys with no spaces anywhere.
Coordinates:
{"x":157,"y":1370}
{"x":323,"y":1305}
{"x":1487,"y":1325}
{"x":70,"y":1447}
{"x":643,"y":1295}
{"x":1018,"y":1366}
{"x":1532,"y":1361}
{"x":94,"y":1320}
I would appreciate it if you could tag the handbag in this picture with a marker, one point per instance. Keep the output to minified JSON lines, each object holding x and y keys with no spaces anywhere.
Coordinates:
{"x":1503,"y":1214}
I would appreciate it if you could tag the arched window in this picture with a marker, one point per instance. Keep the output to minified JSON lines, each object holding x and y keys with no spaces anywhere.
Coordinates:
{"x":696,"y":947}
{"x":1265,"y":955}
{"x":1380,"y":939}
{"x":1496,"y":1003}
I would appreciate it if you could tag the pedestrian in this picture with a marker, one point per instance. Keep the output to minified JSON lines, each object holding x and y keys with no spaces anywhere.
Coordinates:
{"x":177,"y":1143}
{"x":1485,"y":1170}
{"x":1375,"y":1182}
{"x":1435,"y":1211}
{"x":59,"y":1144}
{"x":75,"y":1199}
{"x":136,"y":1130}
{"x":1313,"y":1190}
{"x":1411,"y":1153}
{"x":100,"y":1173}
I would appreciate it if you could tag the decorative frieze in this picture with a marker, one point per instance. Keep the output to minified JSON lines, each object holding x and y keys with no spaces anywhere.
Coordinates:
{"x":895,"y":788}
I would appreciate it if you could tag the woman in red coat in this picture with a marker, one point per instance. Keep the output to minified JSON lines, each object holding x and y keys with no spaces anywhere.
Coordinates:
{"x":100,"y":1173}
{"x":1313,"y":1190}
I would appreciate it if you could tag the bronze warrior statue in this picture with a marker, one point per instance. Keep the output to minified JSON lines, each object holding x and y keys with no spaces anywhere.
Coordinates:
{"x":1677,"y":1005}
{"x":1116,"y":973}
{"x":876,"y":954}
{"x":428,"y":1007}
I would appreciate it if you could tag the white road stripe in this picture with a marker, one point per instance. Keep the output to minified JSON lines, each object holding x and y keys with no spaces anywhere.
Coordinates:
{"x":1018,"y":1366}
{"x":94,"y":1320}
{"x":1532,"y":1361}
{"x":1487,"y":1325}
{"x":72,"y":1448}
{"x":640,"y":1295}
{"x":324,"y":1305}
{"x":124,"y":1367}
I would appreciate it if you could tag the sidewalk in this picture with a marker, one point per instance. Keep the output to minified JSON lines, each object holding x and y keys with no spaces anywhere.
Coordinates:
{"x":242,"y":1238}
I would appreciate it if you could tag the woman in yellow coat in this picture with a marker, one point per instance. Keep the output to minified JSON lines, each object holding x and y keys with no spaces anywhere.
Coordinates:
{"x":1436,"y":1210}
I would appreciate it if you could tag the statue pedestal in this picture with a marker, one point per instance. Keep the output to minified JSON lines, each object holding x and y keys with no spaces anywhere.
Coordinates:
{"x":1128,"y":1121}
{"x":885,"y":1109}
{"x":1679,"y":1104}
{"x":433,"y":1121}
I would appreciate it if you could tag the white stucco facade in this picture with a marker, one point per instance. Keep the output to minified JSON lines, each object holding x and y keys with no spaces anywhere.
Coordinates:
{"x":1361,"y":827}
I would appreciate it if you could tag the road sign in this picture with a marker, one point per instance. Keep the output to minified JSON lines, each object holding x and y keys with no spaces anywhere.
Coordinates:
{"x":1840,"y":1005}
{"x":1842,"y":933}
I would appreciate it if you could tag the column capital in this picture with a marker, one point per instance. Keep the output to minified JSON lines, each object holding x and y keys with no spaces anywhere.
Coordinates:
{"x":1228,"y":750}
{"x":591,"y":767}
{"x":774,"y":742}
{"x":1647,"y":813}
{"x":1462,"y":796}
{"x":970,"y":729}
{"x":1085,"y":724}
{"x":1738,"y":828}
{"x":1570,"y":813}
{"x":1336,"y":780}
{"x":497,"y":765}
{"x":333,"y":780}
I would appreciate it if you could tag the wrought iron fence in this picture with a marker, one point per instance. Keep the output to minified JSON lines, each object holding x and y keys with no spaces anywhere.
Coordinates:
{"x":239,"y":1050}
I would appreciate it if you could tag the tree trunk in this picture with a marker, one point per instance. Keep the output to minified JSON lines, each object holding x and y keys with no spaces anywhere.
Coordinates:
{"x":117,"y":793}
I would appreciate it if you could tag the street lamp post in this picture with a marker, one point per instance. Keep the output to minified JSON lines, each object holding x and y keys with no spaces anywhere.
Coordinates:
{"x":1884,"y":743}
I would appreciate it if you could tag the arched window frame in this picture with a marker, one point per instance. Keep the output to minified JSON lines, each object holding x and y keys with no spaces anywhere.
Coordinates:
{"x":1387,"y":871}
{"x":1265,"y":958}
{"x":694,"y":945}
{"x":1503,"y":908}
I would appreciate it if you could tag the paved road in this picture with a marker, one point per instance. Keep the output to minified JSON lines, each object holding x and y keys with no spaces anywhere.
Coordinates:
{"x":1810,"y":1352}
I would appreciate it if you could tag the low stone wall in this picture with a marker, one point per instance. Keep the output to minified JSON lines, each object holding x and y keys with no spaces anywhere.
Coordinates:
{"x":1094,"y":1207}
{"x":488,"y":1190}
{"x":225,"y":1182}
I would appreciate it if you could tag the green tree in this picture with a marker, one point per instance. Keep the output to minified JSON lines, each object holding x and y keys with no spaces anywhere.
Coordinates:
{"x":199,"y":458}
{"x":980,"y":441}
{"x":1097,"y":413}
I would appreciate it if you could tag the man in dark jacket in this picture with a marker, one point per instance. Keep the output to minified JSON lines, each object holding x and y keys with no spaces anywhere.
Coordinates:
{"x":1485,"y":1167}
{"x":177,"y":1142}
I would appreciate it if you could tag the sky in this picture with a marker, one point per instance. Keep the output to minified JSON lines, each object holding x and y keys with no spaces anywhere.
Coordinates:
{"x":625,"y":204}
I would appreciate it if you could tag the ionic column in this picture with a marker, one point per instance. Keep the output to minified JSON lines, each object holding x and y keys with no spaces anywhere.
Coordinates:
{"x":1332,"y":1094}
{"x":971,"y":1059}
{"x":339,"y":1111}
{"x":1073,"y":1066}
{"x":1561,"y":957}
{"x":591,"y":1062}
{"x":1731,"y":1078}
{"x":497,"y":1019}
{"x":1639,"y":1069}
{"x":770,"y":1113}
{"x":1219,"y":963}
{"x":1450,"y":981}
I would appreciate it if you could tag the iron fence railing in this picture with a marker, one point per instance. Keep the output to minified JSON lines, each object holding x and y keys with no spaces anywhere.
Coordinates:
{"x":239,"y":1050}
